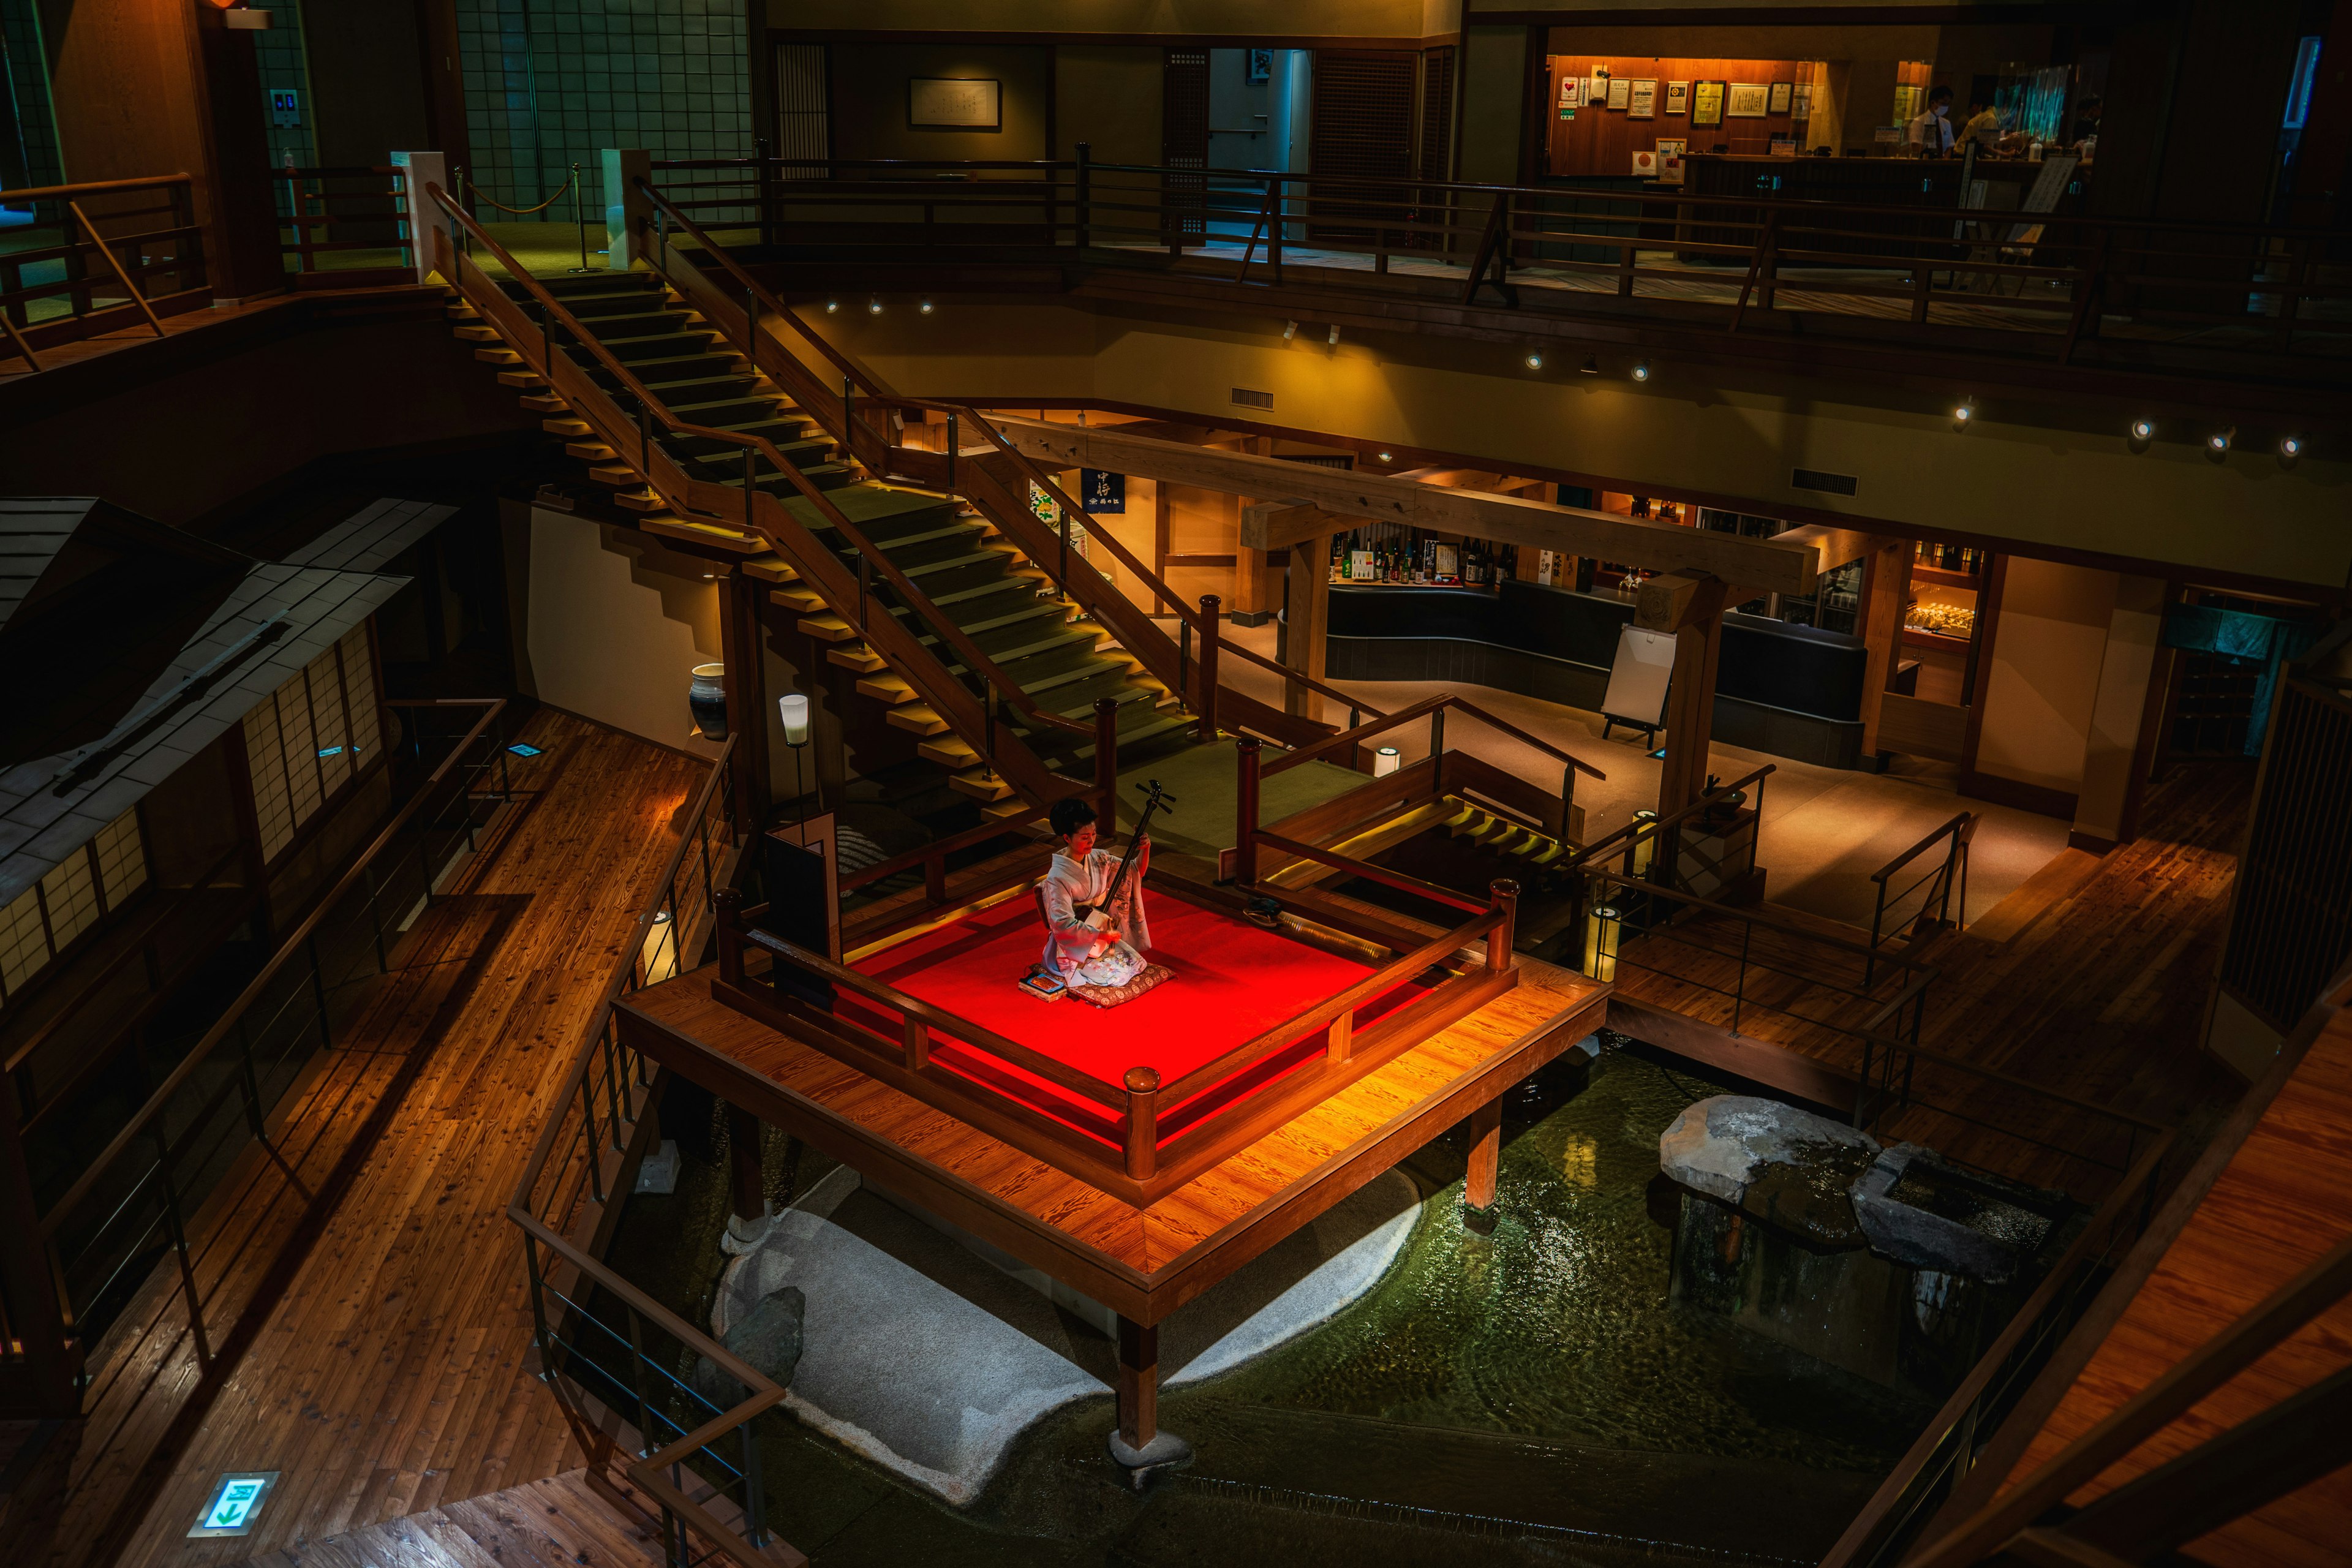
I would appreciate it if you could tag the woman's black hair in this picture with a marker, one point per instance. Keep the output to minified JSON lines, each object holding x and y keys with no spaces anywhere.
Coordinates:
{"x":1069,"y":815}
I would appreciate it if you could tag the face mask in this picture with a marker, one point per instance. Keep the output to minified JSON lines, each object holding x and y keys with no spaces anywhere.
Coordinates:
{"x":1940,"y":111}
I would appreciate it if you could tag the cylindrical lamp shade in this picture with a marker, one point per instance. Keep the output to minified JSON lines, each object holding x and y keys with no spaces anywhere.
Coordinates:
{"x":1601,"y":927}
{"x":1645,"y":842}
{"x":1385,"y":762}
{"x":795,"y":711}
{"x":706,"y":697}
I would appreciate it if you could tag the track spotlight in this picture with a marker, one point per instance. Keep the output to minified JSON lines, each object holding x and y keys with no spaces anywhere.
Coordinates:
{"x":1335,"y":337}
{"x":925,"y":307}
{"x":1535,"y":362}
{"x":2217,"y":444}
{"x":1289,"y":331}
{"x":1591,"y":365}
{"x":872,"y":307}
{"x":1642,"y":370}
{"x":1386,"y":458}
{"x":2290,"y":448}
{"x":1962,"y":413}
{"x":833,"y":307}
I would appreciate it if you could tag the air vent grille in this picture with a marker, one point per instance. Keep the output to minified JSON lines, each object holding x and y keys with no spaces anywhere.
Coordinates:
{"x":1828,"y":484}
{"x":1249,"y":399}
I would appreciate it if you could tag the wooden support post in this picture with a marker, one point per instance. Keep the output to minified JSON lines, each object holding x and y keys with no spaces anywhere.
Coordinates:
{"x":729,"y":902}
{"x":1486,"y":1155}
{"x":1505,"y":893}
{"x":1246,"y":765}
{"x":1205,"y":704}
{"x":742,"y":637}
{"x":1106,"y":761}
{"x":1886,"y":593}
{"x":1143,"y":1124}
{"x":1161,"y":527}
{"x":1307,"y":607}
{"x":1691,"y":609}
{"x":1139,"y":1383}
{"x":747,"y":1188}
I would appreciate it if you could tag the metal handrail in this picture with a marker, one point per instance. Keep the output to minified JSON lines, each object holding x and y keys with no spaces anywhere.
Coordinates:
{"x":1634,"y":832}
{"x":143,"y":1121}
{"x":1961,"y":830}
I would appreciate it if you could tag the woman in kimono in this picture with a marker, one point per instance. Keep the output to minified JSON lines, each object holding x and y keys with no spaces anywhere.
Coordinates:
{"x":1077,"y":953}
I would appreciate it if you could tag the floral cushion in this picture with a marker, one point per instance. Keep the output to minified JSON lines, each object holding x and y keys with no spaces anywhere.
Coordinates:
{"x":1112,"y":996}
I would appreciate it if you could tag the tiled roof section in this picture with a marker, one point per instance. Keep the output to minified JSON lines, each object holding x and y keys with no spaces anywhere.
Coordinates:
{"x":173,"y":720}
{"x":370,"y":538}
{"x":33,"y":529}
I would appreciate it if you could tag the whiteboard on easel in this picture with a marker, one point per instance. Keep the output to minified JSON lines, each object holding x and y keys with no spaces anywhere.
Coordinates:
{"x":1638,"y":677}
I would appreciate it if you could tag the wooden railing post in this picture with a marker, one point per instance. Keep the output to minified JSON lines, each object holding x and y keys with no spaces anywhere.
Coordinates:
{"x":1246,"y":755}
{"x":1339,"y":1042}
{"x":1107,"y":760}
{"x":1085,"y":201}
{"x":729,"y":903}
{"x":918,"y":1043}
{"x":1143,"y":1124}
{"x":1506,"y":894}
{"x":1207,"y":703}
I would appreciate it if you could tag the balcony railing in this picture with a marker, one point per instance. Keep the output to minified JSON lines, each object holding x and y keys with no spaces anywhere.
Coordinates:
{"x":98,"y":257}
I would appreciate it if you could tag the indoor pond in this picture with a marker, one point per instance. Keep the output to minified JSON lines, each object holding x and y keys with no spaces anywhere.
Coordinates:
{"x":1522,"y":1391}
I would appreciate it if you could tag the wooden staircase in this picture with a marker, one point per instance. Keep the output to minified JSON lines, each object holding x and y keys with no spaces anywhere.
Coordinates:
{"x":1060,"y":661}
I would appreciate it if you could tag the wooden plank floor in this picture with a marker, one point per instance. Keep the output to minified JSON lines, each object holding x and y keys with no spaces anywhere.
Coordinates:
{"x":381,"y":1371}
{"x":2276,"y":1208}
{"x":2090,"y":981}
{"x":559,"y":1522}
{"x":1144,"y":1244}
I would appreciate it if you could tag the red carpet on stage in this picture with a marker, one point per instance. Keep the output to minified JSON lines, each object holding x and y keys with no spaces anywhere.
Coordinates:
{"x":1233,"y":981}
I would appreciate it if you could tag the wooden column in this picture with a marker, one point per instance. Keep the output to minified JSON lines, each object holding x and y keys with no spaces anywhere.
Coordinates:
{"x":1486,"y":1155}
{"x":743,"y":639}
{"x":1139,"y":1383}
{"x":1160,"y":528}
{"x":746,"y":1186}
{"x":1306,"y":608}
{"x":1886,"y":593}
{"x":1691,"y":609}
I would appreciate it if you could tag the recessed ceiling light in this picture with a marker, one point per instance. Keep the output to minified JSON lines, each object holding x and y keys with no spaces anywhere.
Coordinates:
{"x":1591,"y":365}
{"x":2143,"y":430}
{"x":1641,"y":370}
{"x":2290,"y":445}
{"x":2219,"y":441}
{"x":1386,"y":458}
{"x":872,"y":307}
{"x":925,"y":307}
{"x":833,"y":307}
{"x":1535,"y":362}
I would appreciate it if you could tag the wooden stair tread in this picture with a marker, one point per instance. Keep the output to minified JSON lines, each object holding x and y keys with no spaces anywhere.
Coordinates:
{"x":702,"y":532}
{"x":919,"y":717}
{"x":799,"y":600}
{"x":771,"y":568}
{"x":887,"y":685}
{"x":858,"y":657}
{"x":981,"y":785}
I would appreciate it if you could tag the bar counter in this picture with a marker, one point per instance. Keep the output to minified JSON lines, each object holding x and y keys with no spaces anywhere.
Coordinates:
{"x":1789,"y":690}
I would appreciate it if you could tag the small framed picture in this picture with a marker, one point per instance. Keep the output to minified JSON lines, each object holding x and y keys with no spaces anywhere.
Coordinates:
{"x":1783,"y":95}
{"x":1259,"y":65}
{"x":1621,"y":91}
{"x":956,"y":103}
{"x":1677,"y":97}
{"x":1747,"y":100}
{"x":1571,"y":92}
{"x":1801,"y":106}
{"x":1642,"y":104}
{"x":1670,"y":146}
{"x":1706,"y":103}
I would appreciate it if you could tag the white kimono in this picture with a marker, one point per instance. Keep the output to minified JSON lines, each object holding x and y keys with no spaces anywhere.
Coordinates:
{"x":1071,"y":944}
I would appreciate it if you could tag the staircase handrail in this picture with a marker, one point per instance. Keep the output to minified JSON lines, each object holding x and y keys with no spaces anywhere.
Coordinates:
{"x":977,"y":728}
{"x":1964,"y":824}
{"x":818,"y":402}
{"x":1637,"y":829}
{"x":1420,"y":710}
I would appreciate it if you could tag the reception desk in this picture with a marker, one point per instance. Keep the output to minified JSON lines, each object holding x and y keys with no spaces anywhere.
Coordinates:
{"x":1789,"y":690}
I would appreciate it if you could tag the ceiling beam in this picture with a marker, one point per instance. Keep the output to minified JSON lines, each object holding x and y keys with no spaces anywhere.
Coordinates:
{"x":1764,"y":565}
{"x":1279,"y":526}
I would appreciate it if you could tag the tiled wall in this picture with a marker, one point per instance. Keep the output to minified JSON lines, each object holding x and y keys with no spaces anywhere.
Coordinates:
{"x":549,"y":83}
{"x":278,"y":51}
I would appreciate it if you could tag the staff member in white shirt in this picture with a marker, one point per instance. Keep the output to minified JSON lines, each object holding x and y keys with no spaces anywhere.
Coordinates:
{"x":1932,"y":131}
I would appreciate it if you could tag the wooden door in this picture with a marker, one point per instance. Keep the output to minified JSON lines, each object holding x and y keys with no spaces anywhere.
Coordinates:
{"x":1363,"y":126}
{"x":1185,"y":145}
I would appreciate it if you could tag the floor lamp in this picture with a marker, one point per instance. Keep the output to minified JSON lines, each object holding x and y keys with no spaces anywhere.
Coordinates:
{"x":795,"y":710}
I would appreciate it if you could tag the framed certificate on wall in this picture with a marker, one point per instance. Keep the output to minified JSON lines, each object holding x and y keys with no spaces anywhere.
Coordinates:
{"x":1621,"y":91}
{"x":1641,"y":102}
{"x":1677,"y":97}
{"x":955,"y":102}
{"x":1706,"y":103}
{"x":1747,"y":100}
{"x":1783,"y":95}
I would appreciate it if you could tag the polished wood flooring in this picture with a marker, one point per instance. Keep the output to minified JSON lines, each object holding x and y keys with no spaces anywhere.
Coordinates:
{"x":380,"y":1369}
{"x":1354,"y":1133}
{"x":2277,"y":1206}
{"x":559,"y":1522}
{"x":2089,"y":980}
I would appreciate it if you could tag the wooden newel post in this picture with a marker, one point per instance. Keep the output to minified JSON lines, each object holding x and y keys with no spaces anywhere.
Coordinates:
{"x":730,"y":904}
{"x":747,"y":1181}
{"x":1106,"y":761}
{"x":1506,"y":895}
{"x":1245,"y":753}
{"x":1143,"y":1124}
{"x":1206,"y":704}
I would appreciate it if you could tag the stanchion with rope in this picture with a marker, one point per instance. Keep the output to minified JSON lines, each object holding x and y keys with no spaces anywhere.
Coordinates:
{"x":570,"y":184}
{"x":576,"y":223}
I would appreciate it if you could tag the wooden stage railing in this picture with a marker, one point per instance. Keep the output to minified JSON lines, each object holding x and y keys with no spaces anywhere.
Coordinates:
{"x":1141,"y":1138}
{"x":99,"y":256}
{"x":342,"y":227}
{"x":2051,"y":287}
